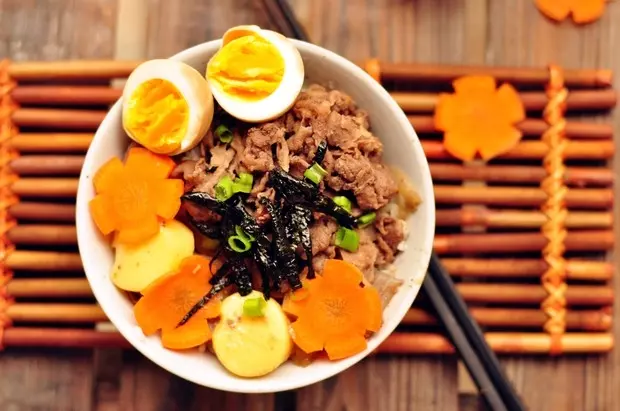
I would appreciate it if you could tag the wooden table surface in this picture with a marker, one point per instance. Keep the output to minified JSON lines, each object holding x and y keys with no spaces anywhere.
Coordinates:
{"x":495,"y":32}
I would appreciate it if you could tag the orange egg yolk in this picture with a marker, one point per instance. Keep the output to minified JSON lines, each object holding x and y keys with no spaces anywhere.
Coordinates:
{"x":248,"y":67}
{"x":157,"y":116}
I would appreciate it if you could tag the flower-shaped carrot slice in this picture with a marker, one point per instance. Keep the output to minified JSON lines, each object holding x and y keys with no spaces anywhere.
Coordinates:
{"x":336,"y":313}
{"x":583,"y":11}
{"x":131,"y":198}
{"x":478,"y":118}
{"x":166,"y":301}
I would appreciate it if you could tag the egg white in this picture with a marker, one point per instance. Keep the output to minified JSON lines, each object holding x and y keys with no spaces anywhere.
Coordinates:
{"x":282,"y":98}
{"x":190,"y":84}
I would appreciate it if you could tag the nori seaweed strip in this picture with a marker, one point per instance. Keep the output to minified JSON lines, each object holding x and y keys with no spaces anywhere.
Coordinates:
{"x":206,"y":201}
{"x":213,"y":231}
{"x":221,"y":272}
{"x":300,"y":218}
{"x":242,"y":277}
{"x":300,"y":192}
{"x":285,"y":252}
{"x":224,"y":282}
{"x":320,"y":152}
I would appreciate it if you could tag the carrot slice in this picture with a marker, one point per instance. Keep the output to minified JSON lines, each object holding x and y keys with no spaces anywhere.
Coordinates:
{"x":192,"y":334}
{"x":133,"y":198}
{"x":142,"y":161}
{"x":171,"y":192}
{"x":165,"y":302}
{"x":344,"y":346}
{"x":583,"y":11}
{"x":103,"y":214}
{"x":108,"y":175}
{"x":375,"y":309}
{"x":477,"y":118}
{"x":336,"y":309}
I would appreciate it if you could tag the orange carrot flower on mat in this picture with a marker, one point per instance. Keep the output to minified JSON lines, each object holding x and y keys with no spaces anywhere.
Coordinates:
{"x":334,"y":312}
{"x":583,"y":11}
{"x":478,"y":118}
{"x":167,"y":300}
{"x":131,"y":197}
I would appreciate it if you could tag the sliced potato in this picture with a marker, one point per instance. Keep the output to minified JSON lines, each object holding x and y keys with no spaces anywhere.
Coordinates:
{"x":251,"y":346}
{"x":137,"y":266}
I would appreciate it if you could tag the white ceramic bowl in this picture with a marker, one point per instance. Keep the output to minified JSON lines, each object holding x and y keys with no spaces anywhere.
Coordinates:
{"x":402,"y":149}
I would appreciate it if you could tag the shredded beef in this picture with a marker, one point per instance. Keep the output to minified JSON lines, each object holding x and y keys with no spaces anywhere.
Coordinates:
{"x":366,"y":255}
{"x":321,"y":233}
{"x":257,"y":155}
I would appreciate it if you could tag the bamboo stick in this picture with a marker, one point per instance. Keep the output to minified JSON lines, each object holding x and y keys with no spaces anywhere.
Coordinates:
{"x":43,"y":261}
{"x":590,"y":320}
{"x":46,"y":288}
{"x":435,"y":73}
{"x":61,"y":338}
{"x":596,"y":295}
{"x":48,"y":212}
{"x":500,"y":342}
{"x":479,"y":216}
{"x":72,"y":69}
{"x":65,"y":95}
{"x":51,"y":142}
{"x":55,"y":313}
{"x":530,"y":127}
{"x":581,"y":150}
{"x":30,"y":165}
{"x":576,"y":176}
{"x":597,"y":99}
{"x":582,"y":240}
{"x":396,"y":343}
{"x":525,"y":267}
{"x":45,"y":187}
{"x":43,"y":234}
{"x":520,"y":196}
{"x":58,"y":118}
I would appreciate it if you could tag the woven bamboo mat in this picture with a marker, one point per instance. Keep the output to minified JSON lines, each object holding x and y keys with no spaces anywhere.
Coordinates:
{"x":527,"y":236}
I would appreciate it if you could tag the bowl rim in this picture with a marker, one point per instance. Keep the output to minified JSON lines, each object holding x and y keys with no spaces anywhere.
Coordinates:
{"x":262,"y":386}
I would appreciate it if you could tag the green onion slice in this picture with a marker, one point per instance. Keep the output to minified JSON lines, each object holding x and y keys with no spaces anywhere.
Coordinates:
{"x":223,"y":133}
{"x":367,"y":219}
{"x":347,"y":239}
{"x":224,"y":189}
{"x":241,"y":233}
{"x":315,"y":173}
{"x":241,"y":188}
{"x":239,"y":244}
{"x":245,"y":179}
{"x":343,"y":202}
{"x":254,"y":307}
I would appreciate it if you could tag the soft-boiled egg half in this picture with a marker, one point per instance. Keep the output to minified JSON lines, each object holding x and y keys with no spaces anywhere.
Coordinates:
{"x":167,"y":106}
{"x":257,"y":74}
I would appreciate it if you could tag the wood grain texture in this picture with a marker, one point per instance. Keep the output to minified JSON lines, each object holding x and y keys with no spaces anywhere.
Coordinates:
{"x":52,"y":30}
{"x":520,"y":37}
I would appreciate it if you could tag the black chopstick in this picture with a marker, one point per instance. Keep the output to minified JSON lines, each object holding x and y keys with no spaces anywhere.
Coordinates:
{"x":462,"y":329}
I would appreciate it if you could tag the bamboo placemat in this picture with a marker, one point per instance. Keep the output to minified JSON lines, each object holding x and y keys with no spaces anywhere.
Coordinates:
{"x":526,"y":236}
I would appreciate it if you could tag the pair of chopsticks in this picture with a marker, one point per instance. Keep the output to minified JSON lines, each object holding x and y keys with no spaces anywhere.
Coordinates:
{"x":462,"y":329}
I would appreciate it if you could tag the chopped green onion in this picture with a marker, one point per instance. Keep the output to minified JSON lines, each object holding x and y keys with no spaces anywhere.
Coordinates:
{"x":254,"y":307}
{"x":347,"y":239}
{"x":239,"y":244}
{"x":224,"y":189}
{"x":241,"y":188}
{"x":223,"y":133}
{"x":367,"y":219}
{"x":243,"y":183}
{"x":243,"y":234}
{"x":343,"y":202}
{"x":245,"y":179}
{"x":315,"y":173}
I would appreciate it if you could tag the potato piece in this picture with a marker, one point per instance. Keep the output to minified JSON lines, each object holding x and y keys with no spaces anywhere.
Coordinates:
{"x":251,"y":346}
{"x":137,"y":266}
